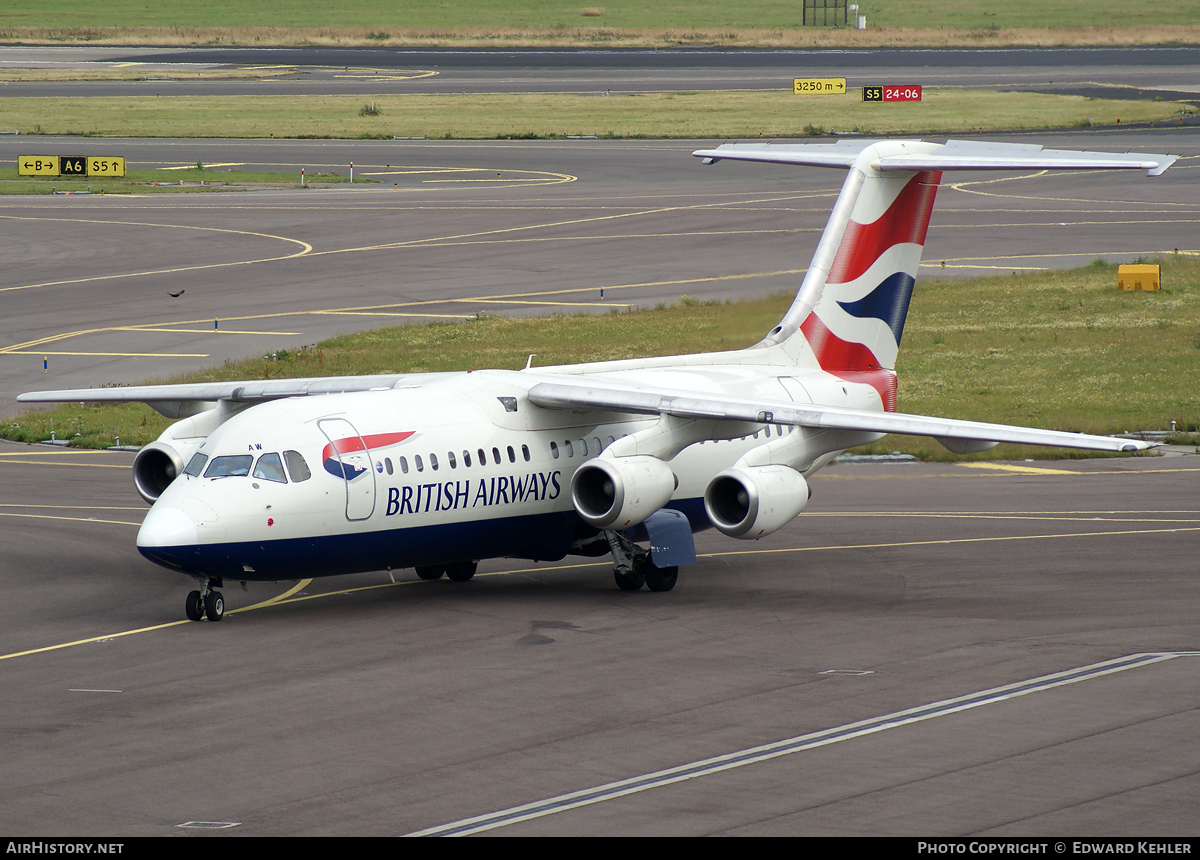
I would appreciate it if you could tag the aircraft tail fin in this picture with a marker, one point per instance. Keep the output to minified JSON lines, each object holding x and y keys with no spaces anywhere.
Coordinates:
{"x":854,"y":327}
{"x":848,"y":315}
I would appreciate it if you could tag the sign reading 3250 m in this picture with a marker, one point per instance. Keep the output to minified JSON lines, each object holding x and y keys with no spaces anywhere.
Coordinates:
{"x":819,"y":86}
{"x":69,"y":165}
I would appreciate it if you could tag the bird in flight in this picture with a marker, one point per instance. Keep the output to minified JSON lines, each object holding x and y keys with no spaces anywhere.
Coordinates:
{"x":176,"y":295}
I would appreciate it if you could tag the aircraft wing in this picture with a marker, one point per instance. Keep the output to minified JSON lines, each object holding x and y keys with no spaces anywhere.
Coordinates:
{"x":685,"y":404}
{"x":952,"y":155}
{"x":166,"y":399}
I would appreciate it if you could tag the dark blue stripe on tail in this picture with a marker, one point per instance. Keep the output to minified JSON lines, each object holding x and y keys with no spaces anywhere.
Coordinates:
{"x":887,"y":302}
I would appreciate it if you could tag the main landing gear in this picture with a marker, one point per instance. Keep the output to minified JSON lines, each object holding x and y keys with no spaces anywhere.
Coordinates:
{"x":460,"y":571}
{"x":209,"y":603}
{"x":632,"y":567}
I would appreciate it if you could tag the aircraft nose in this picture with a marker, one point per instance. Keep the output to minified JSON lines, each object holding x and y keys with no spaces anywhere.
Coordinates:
{"x":174,"y":525}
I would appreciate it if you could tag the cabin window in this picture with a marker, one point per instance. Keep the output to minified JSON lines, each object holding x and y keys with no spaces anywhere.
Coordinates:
{"x":433,"y":462}
{"x":482,"y":457}
{"x":596,"y":444}
{"x":512,"y":455}
{"x":296,"y":466}
{"x":231,"y":466}
{"x":496,"y":456}
{"x":467,"y":459}
{"x":387,"y":462}
{"x":270,"y":468}
{"x":451,"y":460}
{"x":554,"y":450}
{"x":611,"y":440}
{"x":379,"y":466}
{"x":568,"y":448}
{"x":420,"y":465}
{"x":404,"y":465}
{"x":583,"y":447}
{"x":196,"y":465}
{"x":525,"y":452}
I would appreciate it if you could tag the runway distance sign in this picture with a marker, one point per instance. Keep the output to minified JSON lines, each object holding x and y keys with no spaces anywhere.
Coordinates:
{"x":892,"y":94}
{"x":69,"y":165}
{"x":819,"y":86}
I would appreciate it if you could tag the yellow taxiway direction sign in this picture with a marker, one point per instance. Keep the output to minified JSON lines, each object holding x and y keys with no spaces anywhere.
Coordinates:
{"x":69,"y":165}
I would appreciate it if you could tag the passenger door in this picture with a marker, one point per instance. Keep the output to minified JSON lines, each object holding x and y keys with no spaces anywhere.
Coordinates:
{"x":347,"y":455}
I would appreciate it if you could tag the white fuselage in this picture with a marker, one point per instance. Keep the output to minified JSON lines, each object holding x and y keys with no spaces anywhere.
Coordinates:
{"x":455,"y":467}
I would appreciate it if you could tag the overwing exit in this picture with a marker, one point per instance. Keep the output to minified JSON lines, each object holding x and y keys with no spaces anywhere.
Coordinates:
{"x":292,"y":478}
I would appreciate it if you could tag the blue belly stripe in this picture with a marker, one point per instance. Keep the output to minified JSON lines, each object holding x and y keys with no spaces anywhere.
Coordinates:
{"x":541,"y":537}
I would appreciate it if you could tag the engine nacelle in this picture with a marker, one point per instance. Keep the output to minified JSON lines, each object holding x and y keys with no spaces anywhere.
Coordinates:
{"x":163,"y":460}
{"x":154,"y":467}
{"x":621,"y":492}
{"x":753,"y":501}
{"x":158,"y":464}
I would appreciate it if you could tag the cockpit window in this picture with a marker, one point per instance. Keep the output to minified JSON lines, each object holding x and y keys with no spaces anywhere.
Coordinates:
{"x":297,"y":466}
{"x":196,"y":465}
{"x":270,"y":468}
{"x":229,"y":466}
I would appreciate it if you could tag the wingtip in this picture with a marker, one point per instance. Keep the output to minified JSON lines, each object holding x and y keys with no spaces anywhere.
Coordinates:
{"x":1131,"y":447}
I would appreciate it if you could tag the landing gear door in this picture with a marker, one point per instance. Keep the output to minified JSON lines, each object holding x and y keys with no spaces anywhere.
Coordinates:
{"x":346,"y":456}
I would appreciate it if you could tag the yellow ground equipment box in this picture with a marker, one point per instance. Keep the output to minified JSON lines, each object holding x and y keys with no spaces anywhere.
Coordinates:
{"x":1140,"y":277}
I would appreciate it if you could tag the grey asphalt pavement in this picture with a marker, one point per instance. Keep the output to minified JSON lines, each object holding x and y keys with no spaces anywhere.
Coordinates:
{"x":450,"y":229}
{"x":363,"y":706}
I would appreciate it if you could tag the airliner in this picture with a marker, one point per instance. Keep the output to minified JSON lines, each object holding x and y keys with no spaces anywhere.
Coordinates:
{"x":290,"y":478}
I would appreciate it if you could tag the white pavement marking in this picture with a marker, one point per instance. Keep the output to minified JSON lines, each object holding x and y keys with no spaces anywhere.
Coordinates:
{"x":729,"y":761}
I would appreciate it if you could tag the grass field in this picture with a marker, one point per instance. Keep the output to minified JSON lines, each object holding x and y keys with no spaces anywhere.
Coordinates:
{"x":138,"y":73}
{"x":693,"y":115}
{"x":1062,"y":350}
{"x":192,"y":180}
{"x":616,"y":22}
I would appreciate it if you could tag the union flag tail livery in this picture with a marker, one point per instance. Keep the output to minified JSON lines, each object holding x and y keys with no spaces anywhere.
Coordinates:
{"x":855,"y":329}
{"x":438,"y":471}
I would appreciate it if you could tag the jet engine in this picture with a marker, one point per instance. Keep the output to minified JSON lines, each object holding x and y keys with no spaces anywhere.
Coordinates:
{"x":752,"y":501}
{"x":163,"y":460}
{"x":621,"y":492}
{"x":156,"y":466}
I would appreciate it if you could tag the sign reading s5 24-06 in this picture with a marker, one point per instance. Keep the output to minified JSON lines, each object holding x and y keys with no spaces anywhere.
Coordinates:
{"x":69,"y":165}
{"x":892,"y":94}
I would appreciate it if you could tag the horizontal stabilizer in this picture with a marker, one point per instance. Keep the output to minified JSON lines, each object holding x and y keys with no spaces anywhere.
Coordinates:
{"x":952,"y":155}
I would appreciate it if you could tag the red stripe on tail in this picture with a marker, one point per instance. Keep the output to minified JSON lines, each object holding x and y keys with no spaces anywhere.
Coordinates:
{"x":852,"y":362}
{"x":906,"y":220}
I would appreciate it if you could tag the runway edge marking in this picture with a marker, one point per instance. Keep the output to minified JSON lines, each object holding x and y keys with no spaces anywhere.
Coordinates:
{"x":705,"y":767}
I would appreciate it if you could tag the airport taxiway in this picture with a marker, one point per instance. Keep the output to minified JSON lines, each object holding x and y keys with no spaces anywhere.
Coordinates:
{"x":448,"y":230}
{"x":363,"y":706}
{"x":1169,"y":71}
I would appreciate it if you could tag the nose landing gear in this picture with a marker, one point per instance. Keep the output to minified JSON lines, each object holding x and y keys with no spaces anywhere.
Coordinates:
{"x":209,"y":602}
